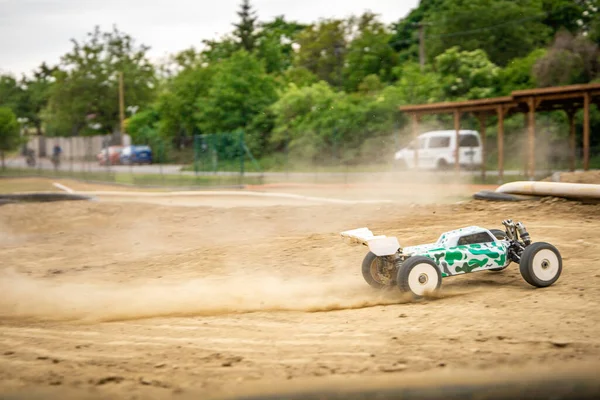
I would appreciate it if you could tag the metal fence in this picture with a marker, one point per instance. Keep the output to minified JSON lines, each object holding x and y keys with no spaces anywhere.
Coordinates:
{"x":224,"y":160}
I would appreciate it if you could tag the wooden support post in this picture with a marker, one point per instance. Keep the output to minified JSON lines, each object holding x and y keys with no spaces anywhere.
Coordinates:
{"x":586,"y":131}
{"x":482,"y":118}
{"x":415,"y":129}
{"x":500,"y":111}
{"x":456,"y":150}
{"x":571,"y":115}
{"x":531,"y":139}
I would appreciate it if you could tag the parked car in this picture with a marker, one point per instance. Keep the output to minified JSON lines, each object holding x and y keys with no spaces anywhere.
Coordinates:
{"x":136,"y":155}
{"x":436,"y":150}
{"x":114,"y":153}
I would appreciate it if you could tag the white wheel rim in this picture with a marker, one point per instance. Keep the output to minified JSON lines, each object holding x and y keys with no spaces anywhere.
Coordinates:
{"x":423,"y":278}
{"x":545,"y":265}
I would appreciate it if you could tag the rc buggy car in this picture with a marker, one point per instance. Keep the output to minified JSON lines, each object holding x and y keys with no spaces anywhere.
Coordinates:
{"x":419,"y":270}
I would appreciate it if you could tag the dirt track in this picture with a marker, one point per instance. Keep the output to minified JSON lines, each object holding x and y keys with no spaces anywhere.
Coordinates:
{"x":141,"y":300}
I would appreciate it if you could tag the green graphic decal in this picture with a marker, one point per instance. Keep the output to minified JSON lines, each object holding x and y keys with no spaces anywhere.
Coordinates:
{"x":437,"y":257}
{"x":471,"y":265}
{"x":502,"y":260}
{"x":452,"y":256}
{"x":487,"y":252}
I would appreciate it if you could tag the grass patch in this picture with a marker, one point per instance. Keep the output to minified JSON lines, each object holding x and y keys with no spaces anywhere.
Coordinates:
{"x":137,"y":179}
{"x":17,"y":185}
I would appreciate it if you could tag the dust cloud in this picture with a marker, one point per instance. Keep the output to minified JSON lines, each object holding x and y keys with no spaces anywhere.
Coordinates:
{"x":27,"y":297}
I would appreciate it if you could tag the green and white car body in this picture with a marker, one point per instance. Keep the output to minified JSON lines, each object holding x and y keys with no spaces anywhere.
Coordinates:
{"x":456,"y":253}
{"x":464,"y":250}
{"x":459,"y":251}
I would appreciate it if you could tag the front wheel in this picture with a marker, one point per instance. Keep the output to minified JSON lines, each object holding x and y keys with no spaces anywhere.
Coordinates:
{"x":419,"y":276}
{"x":541,"y":264}
{"x":376,"y":271}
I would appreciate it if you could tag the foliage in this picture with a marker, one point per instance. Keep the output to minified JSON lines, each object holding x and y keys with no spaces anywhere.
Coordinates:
{"x":503,"y":29}
{"x":299,"y":76}
{"x":177,"y":104}
{"x":570,"y":60}
{"x":141,"y":123}
{"x":368,"y":53}
{"x":518,"y":74}
{"x":405,"y":37}
{"x":329,"y":90}
{"x":564,"y":14}
{"x":315,"y":122}
{"x":322,"y":50}
{"x":239,"y":91}
{"x":414,"y":86}
{"x":9,"y":131}
{"x":11,"y":94}
{"x":245,"y":30}
{"x":466,"y":74}
{"x":275,"y":44}
{"x":87,"y":82}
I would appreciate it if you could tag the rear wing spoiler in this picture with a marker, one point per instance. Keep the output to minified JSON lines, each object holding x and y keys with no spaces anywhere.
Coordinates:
{"x":380,"y":245}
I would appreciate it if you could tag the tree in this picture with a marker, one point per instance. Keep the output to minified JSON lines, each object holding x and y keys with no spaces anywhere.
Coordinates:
{"x":414,"y":86}
{"x":564,"y":14}
{"x":299,"y":76}
{"x":368,"y":53}
{"x":87,"y":83}
{"x":274,"y":43}
{"x":319,"y":124}
{"x":518,"y":75}
{"x":570,"y":60}
{"x":503,"y":29}
{"x":466,"y":74}
{"x":218,"y":50}
{"x":322,"y":50}
{"x":9,"y":132}
{"x":11,"y":94}
{"x":37,"y":94}
{"x":405,"y":38}
{"x":143,"y":122}
{"x":177,"y":104}
{"x":240,"y":89}
{"x":245,"y":30}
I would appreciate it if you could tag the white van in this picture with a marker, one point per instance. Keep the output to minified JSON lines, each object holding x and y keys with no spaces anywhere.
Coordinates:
{"x":436,"y":150}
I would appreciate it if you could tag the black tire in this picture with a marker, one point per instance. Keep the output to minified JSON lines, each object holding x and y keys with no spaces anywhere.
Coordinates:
{"x":368,"y":266}
{"x":543,"y":270}
{"x":496,"y":196}
{"x":442,"y":165}
{"x":430,"y":273}
{"x":500,"y":235}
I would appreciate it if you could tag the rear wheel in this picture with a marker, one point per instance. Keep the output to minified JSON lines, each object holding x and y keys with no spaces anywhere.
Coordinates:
{"x":541,"y":264}
{"x":377,"y":271}
{"x":419,"y":276}
{"x":498,"y":234}
{"x":442,"y":165}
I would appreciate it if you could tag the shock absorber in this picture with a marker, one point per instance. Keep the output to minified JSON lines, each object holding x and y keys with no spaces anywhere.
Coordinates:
{"x":523,"y":233}
{"x":511,"y":232}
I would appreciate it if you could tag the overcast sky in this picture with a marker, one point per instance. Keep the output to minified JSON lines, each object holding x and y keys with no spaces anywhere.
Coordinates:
{"x":32,"y":31}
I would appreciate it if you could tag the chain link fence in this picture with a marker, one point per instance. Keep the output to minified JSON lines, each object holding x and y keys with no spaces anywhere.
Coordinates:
{"x":225,"y":160}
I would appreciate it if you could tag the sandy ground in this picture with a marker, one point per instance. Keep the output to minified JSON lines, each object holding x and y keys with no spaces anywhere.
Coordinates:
{"x":578,"y":177}
{"x":140,"y":300}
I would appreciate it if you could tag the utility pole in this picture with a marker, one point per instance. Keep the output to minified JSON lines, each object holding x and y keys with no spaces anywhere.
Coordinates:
{"x":422,"y":45}
{"x":121,"y":106}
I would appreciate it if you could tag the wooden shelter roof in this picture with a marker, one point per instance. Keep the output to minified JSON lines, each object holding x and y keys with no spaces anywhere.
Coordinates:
{"x":544,"y":99}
